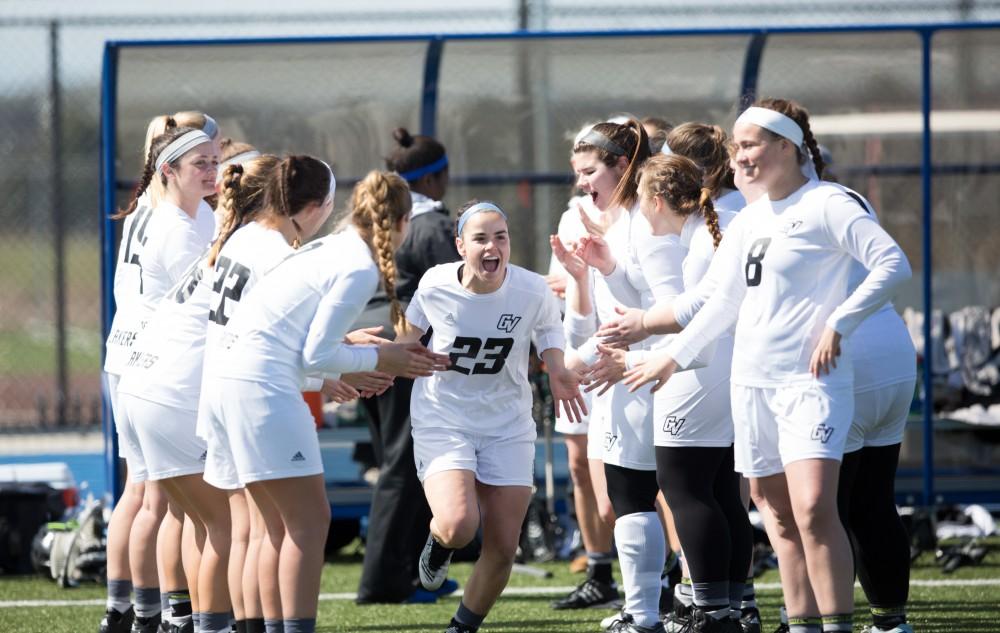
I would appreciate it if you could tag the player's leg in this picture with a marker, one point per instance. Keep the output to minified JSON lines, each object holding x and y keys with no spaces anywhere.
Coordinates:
{"x":263,"y":578}
{"x":239,"y":515}
{"x":119,"y":610}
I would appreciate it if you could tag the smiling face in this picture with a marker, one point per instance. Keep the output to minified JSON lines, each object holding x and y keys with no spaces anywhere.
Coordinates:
{"x":485,"y":247}
{"x":595,"y":178}
{"x":761,"y":157}
{"x":193,"y":174}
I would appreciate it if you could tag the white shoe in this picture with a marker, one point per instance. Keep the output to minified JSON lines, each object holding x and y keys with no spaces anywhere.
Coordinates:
{"x":433,"y":566}
{"x":899,"y":628}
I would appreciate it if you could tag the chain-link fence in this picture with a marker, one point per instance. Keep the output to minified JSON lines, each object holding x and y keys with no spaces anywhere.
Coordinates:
{"x":341,"y":103}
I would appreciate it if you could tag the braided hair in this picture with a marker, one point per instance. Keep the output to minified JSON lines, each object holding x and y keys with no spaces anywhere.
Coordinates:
{"x":242,"y":197}
{"x":677,"y":180}
{"x":706,"y":145}
{"x":378,"y":203}
{"x":156,"y":146}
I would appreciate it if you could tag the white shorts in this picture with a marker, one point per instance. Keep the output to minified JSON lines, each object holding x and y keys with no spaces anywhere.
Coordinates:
{"x":163,"y":438}
{"x":269,"y":430}
{"x":111,"y":389}
{"x":777,"y":426}
{"x":496,"y":461}
{"x":880,"y":416}
{"x":693,"y":408}
{"x":567,"y":427}
{"x":628,"y":429}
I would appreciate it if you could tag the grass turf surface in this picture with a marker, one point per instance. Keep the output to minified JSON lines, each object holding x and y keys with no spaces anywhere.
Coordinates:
{"x":933,"y":609}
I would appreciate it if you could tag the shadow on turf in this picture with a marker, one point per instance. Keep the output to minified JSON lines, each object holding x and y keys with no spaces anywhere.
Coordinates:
{"x":517,"y":625}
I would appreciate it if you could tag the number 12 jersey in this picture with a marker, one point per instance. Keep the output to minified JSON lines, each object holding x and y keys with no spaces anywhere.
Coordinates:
{"x":488,"y":338}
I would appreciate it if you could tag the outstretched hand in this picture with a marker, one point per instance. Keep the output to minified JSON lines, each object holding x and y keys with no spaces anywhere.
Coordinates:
{"x":625,"y":331}
{"x":570,"y":260}
{"x":656,"y":369}
{"x":365,"y":336}
{"x":608,"y":369}
{"x":593,"y":250}
{"x":565,"y":387}
{"x":338,"y":391}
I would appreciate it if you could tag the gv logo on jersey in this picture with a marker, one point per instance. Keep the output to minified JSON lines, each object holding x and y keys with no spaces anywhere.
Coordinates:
{"x":790,"y":227}
{"x":508,"y":322}
{"x":609,"y":441}
{"x":673,"y":425}
{"x":822,"y":432}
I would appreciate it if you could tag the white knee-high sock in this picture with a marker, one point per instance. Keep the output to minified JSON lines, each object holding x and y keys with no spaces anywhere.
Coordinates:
{"x":641,"y":552}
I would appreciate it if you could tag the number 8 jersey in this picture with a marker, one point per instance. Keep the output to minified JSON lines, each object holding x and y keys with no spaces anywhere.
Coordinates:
{"x":488,"y":337}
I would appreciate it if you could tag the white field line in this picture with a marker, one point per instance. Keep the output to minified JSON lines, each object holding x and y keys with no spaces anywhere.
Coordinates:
{"x":509,"y":591}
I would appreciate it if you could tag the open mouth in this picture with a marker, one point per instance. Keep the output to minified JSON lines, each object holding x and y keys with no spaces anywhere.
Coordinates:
{"x":491,"y":263}
{"x":593,"y":197}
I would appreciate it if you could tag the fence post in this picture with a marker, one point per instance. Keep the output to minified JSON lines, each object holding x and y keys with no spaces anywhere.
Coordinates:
{"x":926,"y":172}
{"x":58,"y":224}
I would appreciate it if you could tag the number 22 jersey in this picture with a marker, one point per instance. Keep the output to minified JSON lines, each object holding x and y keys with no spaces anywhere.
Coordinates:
{"x":488,"y":337}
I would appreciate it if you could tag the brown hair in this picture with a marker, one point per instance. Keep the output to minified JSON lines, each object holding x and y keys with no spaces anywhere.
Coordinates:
{"x":631,"y":137}
{"x":662,"y":128}
{"x":294,"y":183}
{"x":242,"y":197}
{"x":378,"y":203}
{"x":229,"y":148}
{"x":412,"y":152}
{"x":707,"y":146}
{"x":800,"y":115}
{"x":190,"y":118}
{"x":677,"y":179}
{"x":156,"y":146}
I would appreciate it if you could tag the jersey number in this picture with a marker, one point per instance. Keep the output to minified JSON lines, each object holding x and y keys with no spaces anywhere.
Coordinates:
{"x":468,"y":347}
{"x":225,"y":270}
{"x":142,"y":217}
{"x":755,"y":257}
{"x":191,"y":281}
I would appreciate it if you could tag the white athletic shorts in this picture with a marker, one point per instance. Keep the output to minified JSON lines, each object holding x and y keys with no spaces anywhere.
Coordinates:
{"x":495,"y":460}
{"x":776,"y":426}
{"x":111,"y":388}
{"x":163,"y":438}
{"x":267,"y":430}
{"x":628,"y":429}
{"x":567,"y":427}
{"x":694,"y":408}
{"x":880,"y":416}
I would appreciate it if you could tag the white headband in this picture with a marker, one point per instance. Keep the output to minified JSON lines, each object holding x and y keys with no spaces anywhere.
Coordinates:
{"x":665,"y":150}
{"x":785,"y":127}
{"x":333,"y":180}
{"x":239,"y":159}
{"x":180,"y":146}
{"x":479,"y":207}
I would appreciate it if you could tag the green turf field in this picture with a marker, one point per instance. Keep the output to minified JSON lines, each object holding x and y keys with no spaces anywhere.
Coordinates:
{"x":965,"y":608}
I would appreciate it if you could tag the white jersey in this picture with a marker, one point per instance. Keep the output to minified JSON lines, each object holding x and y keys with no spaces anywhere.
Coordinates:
{"x":167,"y":365}
{"x":782,"y":278}
{"x":488,"y":337}
{"x":881,"y":347}
{"x":294,"y":322}
{"x":173,"y":241}
{"x":126,"y":325}
{"x":731,"y":201}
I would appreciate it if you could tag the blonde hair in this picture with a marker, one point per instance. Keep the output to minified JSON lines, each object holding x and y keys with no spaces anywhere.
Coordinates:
{"x":242,"y":197}
{"x":159,"y":125}
{"x":677,"y":180}
{"x":378,"y":203}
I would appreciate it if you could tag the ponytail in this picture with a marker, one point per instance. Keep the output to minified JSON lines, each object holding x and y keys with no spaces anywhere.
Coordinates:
{"x":378,"y":203}
{"x":628,"y":139}
{"x":157,"y":145}
{"x":711,"y":216}
{"x":231,"y":216}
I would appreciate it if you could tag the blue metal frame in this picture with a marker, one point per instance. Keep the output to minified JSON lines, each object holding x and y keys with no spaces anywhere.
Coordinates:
{"x":109,"y":108}
{"x":428,"y":120}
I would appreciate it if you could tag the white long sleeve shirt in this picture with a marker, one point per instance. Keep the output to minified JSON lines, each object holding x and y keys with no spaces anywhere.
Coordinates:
{"x":294,"y":322}
{"x":781,"y":276}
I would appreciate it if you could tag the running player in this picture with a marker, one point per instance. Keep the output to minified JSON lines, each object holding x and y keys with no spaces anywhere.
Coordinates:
{"x":781,"y":276}
{"x":293,"y":325}
{"x":472,"y":426}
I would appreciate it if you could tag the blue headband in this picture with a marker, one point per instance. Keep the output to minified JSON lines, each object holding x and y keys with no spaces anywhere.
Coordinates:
{"x":433,"y":168}
{"x":211,"y":127}
{"x":479,"y":207}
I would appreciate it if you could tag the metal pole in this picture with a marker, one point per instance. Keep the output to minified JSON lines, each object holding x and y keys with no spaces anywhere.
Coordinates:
{"x":58,"y":223}
{"x":925,"y":176}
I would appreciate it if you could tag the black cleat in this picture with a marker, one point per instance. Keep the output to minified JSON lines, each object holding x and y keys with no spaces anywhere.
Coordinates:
{"x":146,"y":625}
{"x":591,"y":593}
{"x":750,"y":620}
{"x":678,"y":619}
{"x":116,"y":622}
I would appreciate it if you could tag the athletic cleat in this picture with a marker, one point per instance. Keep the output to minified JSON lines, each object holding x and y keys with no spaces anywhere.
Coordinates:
{"x":702,"y":622}
{"x":612,"y":621}
{"x":116,"y":622}
{"x":678,"y":619}
{"x":146,"y":625}
{"x":434,"y":561}
{"x":591,"y":593}
{"x":457,"y":627}
{"x":899,"y":628}
{"x":628,"y":625}
{"x":187,"y":627}
{"x":782,"y":628}
{"x":750,"y":620}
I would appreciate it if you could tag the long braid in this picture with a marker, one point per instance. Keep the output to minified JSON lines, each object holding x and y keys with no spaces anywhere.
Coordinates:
{"x":378,"y":203}
{"x":711,"y":216}
{"x":231,"y":216}
{"x":800,"y":115}
{"x":147,"y":177}
{"x":813,"y":146}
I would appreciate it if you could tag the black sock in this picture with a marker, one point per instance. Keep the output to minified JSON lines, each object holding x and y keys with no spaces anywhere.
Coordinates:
{"x":255,"y":625}
{"x":468,"y":618}
{"x":241,"y":626}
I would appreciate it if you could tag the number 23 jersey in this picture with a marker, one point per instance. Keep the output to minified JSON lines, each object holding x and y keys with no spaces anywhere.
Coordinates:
{"x":488,"y":337}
